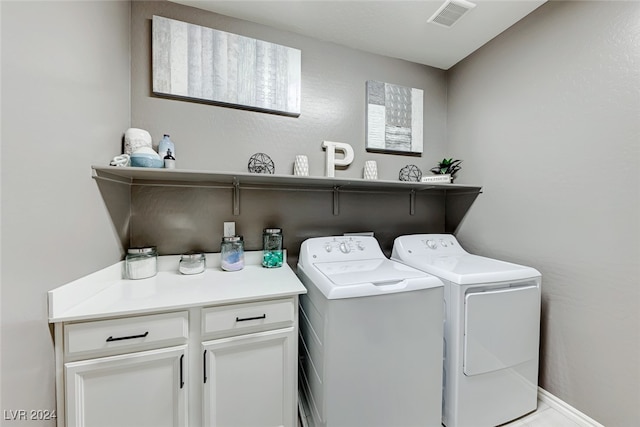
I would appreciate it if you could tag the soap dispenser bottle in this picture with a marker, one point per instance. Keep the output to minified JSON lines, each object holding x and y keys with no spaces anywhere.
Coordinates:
{"x":166,"y":147}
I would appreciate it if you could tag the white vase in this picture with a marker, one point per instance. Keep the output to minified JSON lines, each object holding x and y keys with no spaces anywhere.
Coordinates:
{"x":301,"y":166}
{"x":370,"y":170}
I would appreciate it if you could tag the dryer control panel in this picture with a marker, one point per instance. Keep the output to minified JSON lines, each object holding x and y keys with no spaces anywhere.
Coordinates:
{"x":432,"y":244}
{"x":340,"y":248}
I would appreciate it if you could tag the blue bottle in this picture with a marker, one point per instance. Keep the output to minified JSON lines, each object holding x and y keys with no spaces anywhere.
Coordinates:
{"x":166,"y":147}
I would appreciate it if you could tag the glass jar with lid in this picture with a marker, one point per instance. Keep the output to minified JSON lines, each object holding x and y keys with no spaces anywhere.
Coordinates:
{"x":141,"y":263}
{"x":272,"y":248}
{"x":192,"y":263}
{"x":232,"y":253}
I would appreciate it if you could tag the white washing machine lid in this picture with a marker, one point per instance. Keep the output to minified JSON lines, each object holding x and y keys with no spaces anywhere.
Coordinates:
{"x":468,"y":269}
{"x":368,"y":277}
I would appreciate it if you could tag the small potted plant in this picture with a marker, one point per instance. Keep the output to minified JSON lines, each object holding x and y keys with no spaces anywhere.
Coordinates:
{"x":447,"y":167}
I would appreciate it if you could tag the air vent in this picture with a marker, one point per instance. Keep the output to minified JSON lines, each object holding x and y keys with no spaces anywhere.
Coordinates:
{"x":451,"y":12}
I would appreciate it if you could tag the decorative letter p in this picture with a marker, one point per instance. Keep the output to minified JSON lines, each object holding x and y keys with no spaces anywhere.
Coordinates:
{"x":332,"y":162}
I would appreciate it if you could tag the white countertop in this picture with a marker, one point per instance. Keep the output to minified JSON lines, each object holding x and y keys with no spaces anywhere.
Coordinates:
{"x":106,"y":294}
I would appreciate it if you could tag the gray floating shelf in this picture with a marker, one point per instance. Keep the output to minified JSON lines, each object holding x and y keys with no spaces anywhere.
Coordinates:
{"x":239,"y":180}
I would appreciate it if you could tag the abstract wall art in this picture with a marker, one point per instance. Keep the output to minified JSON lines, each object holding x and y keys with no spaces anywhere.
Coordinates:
{"x":192,"y":62}
{"x":394,"y":118}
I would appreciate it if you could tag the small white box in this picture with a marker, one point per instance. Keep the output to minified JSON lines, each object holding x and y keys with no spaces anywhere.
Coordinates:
{"x":442,"y":179}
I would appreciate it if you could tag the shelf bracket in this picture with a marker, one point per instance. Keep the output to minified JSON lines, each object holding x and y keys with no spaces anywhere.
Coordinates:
{"x":336,"y":200}
{"x":412,"y":202}
{"x":236,"y":197}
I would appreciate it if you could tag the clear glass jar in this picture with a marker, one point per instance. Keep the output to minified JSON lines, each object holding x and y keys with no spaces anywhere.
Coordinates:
{"x":192,"y":263}
{"x":272,"y":248}
{"x":232,"y":253}
{"x":141,"y":263}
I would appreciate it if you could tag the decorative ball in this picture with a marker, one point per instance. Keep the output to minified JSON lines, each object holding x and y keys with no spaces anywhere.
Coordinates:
{"x":261,"y":163}
{"x":410,"y":173}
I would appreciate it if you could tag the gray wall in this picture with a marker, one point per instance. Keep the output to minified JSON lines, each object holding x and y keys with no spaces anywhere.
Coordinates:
{"x":67,"y":99}
{"x":557,"y":95}
{"x":333,"y":104}
{"x":547,"y":119}
{"x":216,"y":138}
{"x":65,"y":102}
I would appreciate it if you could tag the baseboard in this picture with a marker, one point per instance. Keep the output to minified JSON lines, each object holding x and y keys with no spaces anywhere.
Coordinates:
{"x":566,"y":409}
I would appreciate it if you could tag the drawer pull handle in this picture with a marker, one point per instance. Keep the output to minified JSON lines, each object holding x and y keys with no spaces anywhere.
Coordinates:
{"x":111,"y":339}
{"x":244,"y":319}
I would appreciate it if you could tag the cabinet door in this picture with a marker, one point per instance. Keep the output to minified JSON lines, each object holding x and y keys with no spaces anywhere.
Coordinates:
{"x":249,"y":380}
{"x":135,"y":389}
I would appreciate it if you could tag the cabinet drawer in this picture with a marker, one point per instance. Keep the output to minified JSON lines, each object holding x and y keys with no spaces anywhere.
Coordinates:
{"x":106,"y":337}
{"x":247,"y":318}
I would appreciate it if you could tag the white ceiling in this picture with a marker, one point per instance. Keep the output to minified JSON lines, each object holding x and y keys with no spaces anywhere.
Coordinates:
{"x":394,"y":28}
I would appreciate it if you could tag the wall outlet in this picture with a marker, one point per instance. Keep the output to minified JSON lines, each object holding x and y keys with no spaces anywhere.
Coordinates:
{"x":229,"y":229}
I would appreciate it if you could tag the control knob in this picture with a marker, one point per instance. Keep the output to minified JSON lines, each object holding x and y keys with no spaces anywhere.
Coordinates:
{"x":345,"y":248}
{"x":432,"y":244}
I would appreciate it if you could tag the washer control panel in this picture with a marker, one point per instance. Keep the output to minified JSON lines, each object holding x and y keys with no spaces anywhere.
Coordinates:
{"x":344,"y":245}
{"x":340,"y":248}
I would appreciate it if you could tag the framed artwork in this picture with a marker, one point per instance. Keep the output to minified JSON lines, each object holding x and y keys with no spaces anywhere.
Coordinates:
{"x":394,"y":118}
{"x":192,"y":62}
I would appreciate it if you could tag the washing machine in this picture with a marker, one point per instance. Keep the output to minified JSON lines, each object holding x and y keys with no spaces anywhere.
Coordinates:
{"x":491,"y":330}
{"x":371,"y":344}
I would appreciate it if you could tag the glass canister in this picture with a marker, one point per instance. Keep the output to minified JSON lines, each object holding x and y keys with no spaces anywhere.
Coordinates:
{"x":141,"y":263}
{"x":232,"y":253}
{"x":192,"y":263}
{"x":272,"y":247}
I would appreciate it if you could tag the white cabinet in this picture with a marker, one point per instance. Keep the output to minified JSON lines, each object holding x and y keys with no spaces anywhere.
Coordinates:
{"x":249,"y":380}
{"x":126,"y":372}
{"x":250,"y":369}
{"x":231,"y":365}
{"x":116,"y":336}
{"x":132,"y":389}
{"x":238,"y":319}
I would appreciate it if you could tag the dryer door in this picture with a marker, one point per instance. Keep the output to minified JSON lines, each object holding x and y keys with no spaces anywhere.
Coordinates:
{"x":502,"y":328}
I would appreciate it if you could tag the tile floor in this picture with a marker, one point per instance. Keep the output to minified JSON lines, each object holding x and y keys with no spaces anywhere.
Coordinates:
{"x":544,"y":416}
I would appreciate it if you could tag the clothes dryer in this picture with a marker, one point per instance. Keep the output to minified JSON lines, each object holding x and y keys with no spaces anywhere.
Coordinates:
{"x":491,"y":330}
{"x":370,"y":337}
